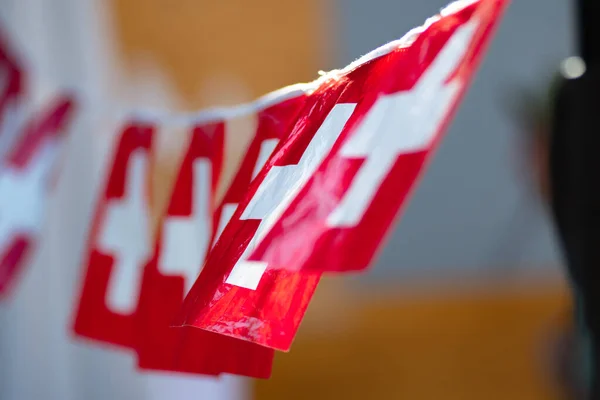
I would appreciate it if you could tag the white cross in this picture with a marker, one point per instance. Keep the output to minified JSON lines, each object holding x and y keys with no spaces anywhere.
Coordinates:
{"x":266,"y":149}
{"x":125,"y":235}
{"x":22,"y":194}
{"x":397,"y":124}
{"x":280,"y":187}
{"x":185,"y":239}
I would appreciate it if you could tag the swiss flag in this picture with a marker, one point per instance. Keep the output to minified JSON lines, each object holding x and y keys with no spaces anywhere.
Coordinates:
{"x":119,"y":244}
{"x":178,"y":255}
{"x":188,"y":349}
{"x":331,"y":191}
{"x":404,"y":101}
{"x":25,"y":181}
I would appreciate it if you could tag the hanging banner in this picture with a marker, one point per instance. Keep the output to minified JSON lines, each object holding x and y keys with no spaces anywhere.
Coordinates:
{"x":178,"y":259}
{"x":331,"y":191}
{"x":131,"y":292}
{"x":323,"y":174}
{"x":179,"y":252}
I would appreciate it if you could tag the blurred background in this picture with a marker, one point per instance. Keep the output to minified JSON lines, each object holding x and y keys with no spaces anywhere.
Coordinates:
{"x":468,"y":300}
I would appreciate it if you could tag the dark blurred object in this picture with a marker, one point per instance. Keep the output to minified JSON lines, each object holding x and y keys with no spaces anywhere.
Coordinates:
{"x":533,"y":108}
{"x":575,"y":195}
{"x":575,"y":177}
{"x":566,"y":363}
{"x":588,"y":12}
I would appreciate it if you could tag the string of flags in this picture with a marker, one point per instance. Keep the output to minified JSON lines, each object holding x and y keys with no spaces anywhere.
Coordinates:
{"x":225,"y":277}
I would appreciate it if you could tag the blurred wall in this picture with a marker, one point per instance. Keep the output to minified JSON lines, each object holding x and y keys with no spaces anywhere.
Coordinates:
{"x":208,"y":46}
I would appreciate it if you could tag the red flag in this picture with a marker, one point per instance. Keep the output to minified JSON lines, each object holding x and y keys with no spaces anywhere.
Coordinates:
{"x":328,"y":196}
{"x":274,"y":124}
{"x":394,"y":126}
{"x":179,"y":252}
{"x":25,"y":178}
{"x":188,"y":349}
{"x":119,"y":244}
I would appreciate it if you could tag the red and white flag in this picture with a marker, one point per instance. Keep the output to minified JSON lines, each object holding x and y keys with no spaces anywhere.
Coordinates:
{"x":185,"y":239}
{"x":132,"y":289}
{"x":119,"y":244}
{"x":26,"y":174}
{"x":179,"y":252}
{"x":180,"y":248}
{"x":335,"y":184}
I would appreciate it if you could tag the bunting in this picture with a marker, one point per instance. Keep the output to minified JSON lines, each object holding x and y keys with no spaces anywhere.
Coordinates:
{"x":224,"y":276}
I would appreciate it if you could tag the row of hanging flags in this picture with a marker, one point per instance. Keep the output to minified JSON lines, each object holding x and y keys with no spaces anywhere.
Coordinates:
{"x":225,"y":280}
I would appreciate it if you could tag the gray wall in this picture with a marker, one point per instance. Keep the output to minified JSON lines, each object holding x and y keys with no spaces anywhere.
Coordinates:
{"x":474,"y":209}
